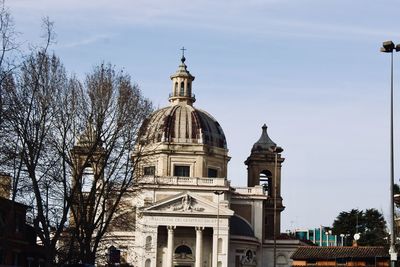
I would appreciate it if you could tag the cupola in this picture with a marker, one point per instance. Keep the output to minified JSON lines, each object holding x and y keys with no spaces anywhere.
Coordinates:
{"x":182,"y":85}
{"x":264,"y":144}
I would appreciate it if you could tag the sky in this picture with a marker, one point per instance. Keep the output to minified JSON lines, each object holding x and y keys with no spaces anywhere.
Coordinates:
{"x":310,"y":69}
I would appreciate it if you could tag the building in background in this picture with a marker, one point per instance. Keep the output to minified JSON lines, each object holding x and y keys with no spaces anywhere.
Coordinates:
{"x":17,"y":238}
{"x":341,"y":256}
{"x":321,"y":236}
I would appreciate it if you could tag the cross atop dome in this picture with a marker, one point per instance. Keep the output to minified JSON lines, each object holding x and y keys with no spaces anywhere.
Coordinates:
{"x":182,"y":84}
{"x":183,"y":59}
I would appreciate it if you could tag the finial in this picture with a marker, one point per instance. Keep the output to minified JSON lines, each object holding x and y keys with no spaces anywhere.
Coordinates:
{"x":183,"y":54}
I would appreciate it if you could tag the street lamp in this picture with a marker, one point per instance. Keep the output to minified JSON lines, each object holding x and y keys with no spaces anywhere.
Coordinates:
{"x":218,"y":193}
{"x":276,"y":150}
{"x":341,"y":239}
{"x":389,"y":47}
{"x":329,"y":232}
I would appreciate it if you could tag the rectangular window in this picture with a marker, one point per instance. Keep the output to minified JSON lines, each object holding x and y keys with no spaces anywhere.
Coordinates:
{"x":183,"y":171}
{"x":150,"y":170}
{"x":213,"y":173}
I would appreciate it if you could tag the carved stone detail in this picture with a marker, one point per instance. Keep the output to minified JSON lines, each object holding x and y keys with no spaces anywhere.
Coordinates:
{"x":187,"y":204}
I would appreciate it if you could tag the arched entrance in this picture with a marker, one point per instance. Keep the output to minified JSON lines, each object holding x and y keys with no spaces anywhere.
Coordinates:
{"x":183,"y":256}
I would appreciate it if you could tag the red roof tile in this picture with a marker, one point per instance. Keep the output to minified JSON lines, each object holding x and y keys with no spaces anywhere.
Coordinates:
{"x":305,"y":253}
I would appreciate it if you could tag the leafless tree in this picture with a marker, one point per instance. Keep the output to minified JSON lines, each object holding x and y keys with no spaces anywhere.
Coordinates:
{"x":8,"y":54}
{"x":28,"y":149}
{"x":68,"y":144}
{"x":27,"y":109}
{"x":114,"y":112}
{"x":9,"y":46}
{"x":71,"y":146}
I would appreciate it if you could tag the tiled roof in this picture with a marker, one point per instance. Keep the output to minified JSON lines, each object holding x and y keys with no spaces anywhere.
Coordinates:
{"x":305,"y":253}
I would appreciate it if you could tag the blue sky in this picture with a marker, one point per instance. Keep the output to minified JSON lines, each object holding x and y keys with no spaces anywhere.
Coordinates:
{"x":310,"y":69}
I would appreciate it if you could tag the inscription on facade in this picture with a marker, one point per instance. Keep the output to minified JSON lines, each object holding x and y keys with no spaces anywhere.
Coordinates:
{"x":184,"y":221}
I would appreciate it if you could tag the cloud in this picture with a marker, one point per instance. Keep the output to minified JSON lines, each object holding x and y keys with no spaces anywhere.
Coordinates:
{"x":87,"y":41}
{"x":256,"y":18}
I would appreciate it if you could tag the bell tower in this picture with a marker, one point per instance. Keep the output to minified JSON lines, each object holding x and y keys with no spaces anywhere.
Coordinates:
{"x":264,"y":168}
{"x":88,"y":156}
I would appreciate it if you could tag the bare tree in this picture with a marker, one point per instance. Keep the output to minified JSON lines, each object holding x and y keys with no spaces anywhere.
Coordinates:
{"x":8,"y":49}
{"x":29,"y":148}
{"x":103,"y":165}
{"x":8,"y":56}
{"x":70,"y":145}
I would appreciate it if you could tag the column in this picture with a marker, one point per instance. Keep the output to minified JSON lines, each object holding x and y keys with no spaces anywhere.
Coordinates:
{"x":215,"y":247}
{"x":199,"y":246}
{"x":170,"y":246}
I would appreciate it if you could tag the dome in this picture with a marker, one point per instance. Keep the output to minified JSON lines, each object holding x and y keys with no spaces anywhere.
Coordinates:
{"x":182,"y":124}
{"x":264,"y":144}
{"x":239,"y":226}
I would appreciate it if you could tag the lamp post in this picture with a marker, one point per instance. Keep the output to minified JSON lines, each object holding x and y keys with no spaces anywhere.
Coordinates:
{"x":218,"y":193}
{"x":276,"y":150}
{"x":329,"y":232}
{"x":389,"y":47}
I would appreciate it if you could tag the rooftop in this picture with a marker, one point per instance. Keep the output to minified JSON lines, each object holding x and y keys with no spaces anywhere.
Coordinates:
{"x":307,"y":252}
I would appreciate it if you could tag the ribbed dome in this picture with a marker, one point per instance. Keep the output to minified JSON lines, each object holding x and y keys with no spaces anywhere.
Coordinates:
{"x":182,"y":124}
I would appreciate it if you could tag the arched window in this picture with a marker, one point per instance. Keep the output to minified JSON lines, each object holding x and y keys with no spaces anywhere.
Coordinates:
{"x":183,"y":249}
{"x":87,"y":179}
{"x":148,"y":243}
{"x":182,"y":90}
{"x":176,"y":89}
{"x":147,"y":263}
{"x":266,"y":181}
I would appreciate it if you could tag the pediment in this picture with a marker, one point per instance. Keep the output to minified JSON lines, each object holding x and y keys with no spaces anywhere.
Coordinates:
{"x":187,"y":203}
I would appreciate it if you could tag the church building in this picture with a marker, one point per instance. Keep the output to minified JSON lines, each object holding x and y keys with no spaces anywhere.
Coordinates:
{"x":187,"y":213}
